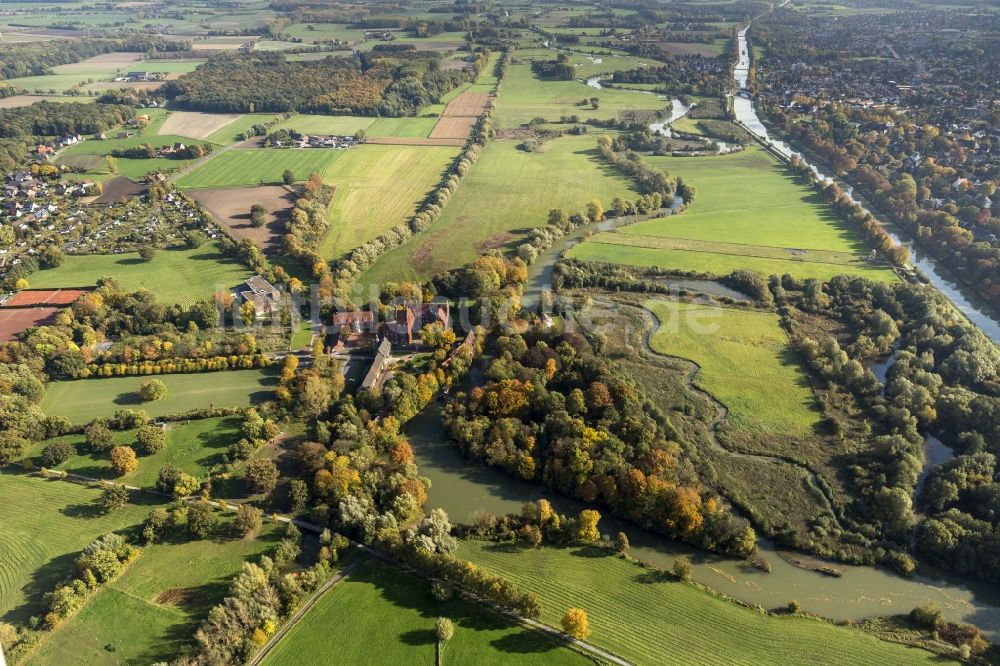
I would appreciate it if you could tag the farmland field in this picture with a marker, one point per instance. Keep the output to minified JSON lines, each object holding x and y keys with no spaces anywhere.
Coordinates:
{"x":405,"y":128}
{"x":746,"y":361}
{"x":678,"y":623}
{"x":259,"y":167}
{"x":230,"y":206}
{"x":379,"y":187}
{"x":175,"y":276}
{"x":83,"y":400}
{"x":45,"y":524}
{"x":520,"y":189}
{"x":749,"y":212}
{"x":193,"y":446}
{"x":195,"y":124}
{"x":380,"y":606}
{"x":320,"y":124}
{"x":525,"y":96}
{"x":155,"y":605}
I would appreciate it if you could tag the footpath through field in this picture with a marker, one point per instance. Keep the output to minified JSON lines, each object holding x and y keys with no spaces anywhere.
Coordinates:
{"x":259,"y":656}
{"x":367,"y":552}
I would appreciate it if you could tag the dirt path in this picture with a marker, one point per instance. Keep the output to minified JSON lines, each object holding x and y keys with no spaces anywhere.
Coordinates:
{"x":259,"y":656}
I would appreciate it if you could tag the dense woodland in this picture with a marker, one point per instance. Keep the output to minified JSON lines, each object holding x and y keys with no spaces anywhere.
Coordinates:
{"x":555,"y":412}
{"x":393,"y":84}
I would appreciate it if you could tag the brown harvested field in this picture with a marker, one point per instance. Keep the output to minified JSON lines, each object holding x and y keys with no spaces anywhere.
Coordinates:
{"x":32,"y":297}
{"x":196,"y":124}
{"x":117,"y":188}
{"x":15,"y":320}
{"x":467,"y":104}
{"x":17,"y":101}
{"x":453,"y":127}
{"x":413,"y":141}
{"x":684,"y":48}
{"x":230,"y":206}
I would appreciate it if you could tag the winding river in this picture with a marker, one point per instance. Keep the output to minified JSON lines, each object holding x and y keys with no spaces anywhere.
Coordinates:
{"x":463,"y":489}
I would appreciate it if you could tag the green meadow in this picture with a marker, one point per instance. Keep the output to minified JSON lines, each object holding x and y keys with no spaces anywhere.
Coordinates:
{"x":524,"y":96}
{"x":83,"y":400}
{"x":174,"y":276}
{"x":749,"y":212}
{"x":652,"y":619}
{"x":379,"y":187}
{"x":259,"y":167}
{"x":746,"y":362}
{"x":322,"y":124}
{"x":379,"y":615}
{"x":45,"y":524}
{"x":194,"y":447}
{"x":506,"y":193}
{"x":153,"y":608}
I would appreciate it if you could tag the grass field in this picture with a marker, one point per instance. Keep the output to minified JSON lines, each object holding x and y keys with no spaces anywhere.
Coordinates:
{"x":259,"y":167}
{"x":175,"y":276}
{"x":230,"y":133}
{"x":746,"y":362}
{"x":380,"y":615}
{"x":379,"y":187}
{"x":749,"y":212}
{"x":524,"y":96}
{"x":417,"y":128}
{"x":194,"y":447}
{"x":320,"y":124}
{"x":649,"y":619}
{"x":507,"y":192}
{"x":44,"y":525}
{"x":83,"y":400}
{"x":152,"y":609}
{"x":601,"y":248}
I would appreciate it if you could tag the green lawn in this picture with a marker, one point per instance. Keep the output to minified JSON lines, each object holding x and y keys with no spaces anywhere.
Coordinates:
{"x":653,"y":620}
{"x":749,"y":212}
{"x":259,"y":167}
{"x":746,"y":362}
{"x":380,"y":615}
{"x":83,"y":400}
{"x":175,"y":276}
{"x":153,"y":609}
{"x":379,"y":187}
{"x":44,"y":525}
{"x":506,"y":193}
{"x":194,"y":447}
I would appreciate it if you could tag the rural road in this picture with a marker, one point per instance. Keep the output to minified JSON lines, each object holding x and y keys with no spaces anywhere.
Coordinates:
{"x":312,"y":527}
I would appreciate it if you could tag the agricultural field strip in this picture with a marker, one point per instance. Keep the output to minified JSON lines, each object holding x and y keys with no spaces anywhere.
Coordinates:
{"x":721,"y":247}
